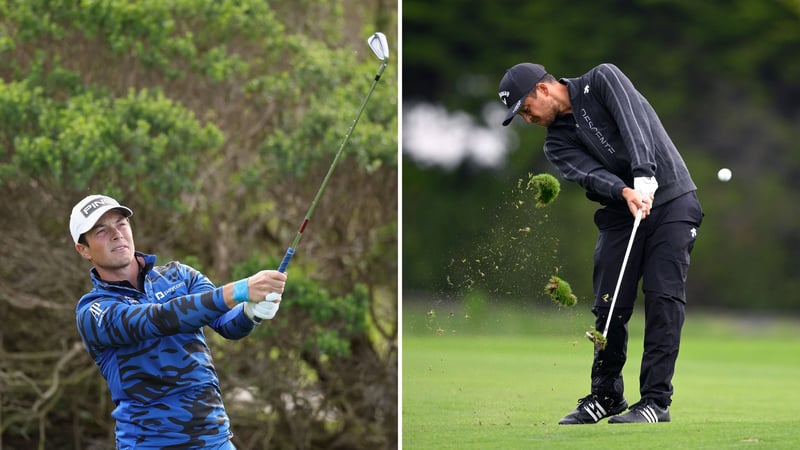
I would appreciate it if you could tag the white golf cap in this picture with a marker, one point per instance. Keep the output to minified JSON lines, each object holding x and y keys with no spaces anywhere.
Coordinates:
{"x":88,"y":211}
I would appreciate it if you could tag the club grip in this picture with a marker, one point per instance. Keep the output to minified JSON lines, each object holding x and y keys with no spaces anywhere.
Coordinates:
{"x":286,"y":258}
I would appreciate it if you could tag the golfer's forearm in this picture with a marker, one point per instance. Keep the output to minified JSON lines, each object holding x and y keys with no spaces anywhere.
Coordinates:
{"x":227,"y":295}
{"x":121,"y":323}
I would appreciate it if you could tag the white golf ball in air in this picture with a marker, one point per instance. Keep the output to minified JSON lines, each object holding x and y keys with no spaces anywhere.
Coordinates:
{"x":724,"y":174}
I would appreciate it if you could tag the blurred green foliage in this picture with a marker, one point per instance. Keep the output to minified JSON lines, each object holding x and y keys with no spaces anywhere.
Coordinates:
{"x":325,"y":322}
{"x":92,"y":137}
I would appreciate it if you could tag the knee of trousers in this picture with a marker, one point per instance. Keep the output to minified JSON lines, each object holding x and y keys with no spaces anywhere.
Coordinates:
{"x":664,"y":310}
{"x":664,"y":300}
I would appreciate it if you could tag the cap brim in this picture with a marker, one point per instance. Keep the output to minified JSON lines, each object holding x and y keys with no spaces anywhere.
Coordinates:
{"x":127,"y":212}
{"x":512,"y":112}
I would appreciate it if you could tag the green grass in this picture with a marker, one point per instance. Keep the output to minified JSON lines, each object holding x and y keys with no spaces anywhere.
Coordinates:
{"x":502,"y":378}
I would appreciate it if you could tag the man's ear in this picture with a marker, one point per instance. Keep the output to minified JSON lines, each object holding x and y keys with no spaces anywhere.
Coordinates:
{"x":83,"y":250}
{"x":543,"y":88}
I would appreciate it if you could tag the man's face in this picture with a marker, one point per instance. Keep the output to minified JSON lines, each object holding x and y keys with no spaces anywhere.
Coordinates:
{"x":110,"y":242}
{"x":541,"y":109}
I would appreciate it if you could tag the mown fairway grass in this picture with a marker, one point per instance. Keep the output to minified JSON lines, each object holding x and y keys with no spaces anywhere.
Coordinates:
{"x":503,"y":378}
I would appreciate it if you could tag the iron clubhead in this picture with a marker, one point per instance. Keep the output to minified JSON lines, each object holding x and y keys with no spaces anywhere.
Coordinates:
{"x":377,"y":42}
{"x":598,"y":339}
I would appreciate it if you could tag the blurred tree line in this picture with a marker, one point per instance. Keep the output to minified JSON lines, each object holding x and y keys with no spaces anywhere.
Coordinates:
{"x":215,"y":120}
{"x":723,"y":77}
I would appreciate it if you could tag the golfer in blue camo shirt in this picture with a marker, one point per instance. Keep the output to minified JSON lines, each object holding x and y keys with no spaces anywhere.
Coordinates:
{"x":143,"y":326}
{"x":604,"y":135}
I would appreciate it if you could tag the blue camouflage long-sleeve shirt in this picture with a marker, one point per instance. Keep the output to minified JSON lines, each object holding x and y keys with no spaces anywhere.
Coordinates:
{"x":612,"y":136}
{"x":151,"y":349}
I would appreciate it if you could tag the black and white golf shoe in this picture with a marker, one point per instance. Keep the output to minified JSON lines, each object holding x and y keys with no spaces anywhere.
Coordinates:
{"x":645,"y":411}
{"x":593,"y":408}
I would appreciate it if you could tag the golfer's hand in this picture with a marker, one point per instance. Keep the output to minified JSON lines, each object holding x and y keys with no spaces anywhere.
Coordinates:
{"x":265,"y":310}
{"x":646,"y":186}
{"x":265,"y":283}
{"x":637,"y":202}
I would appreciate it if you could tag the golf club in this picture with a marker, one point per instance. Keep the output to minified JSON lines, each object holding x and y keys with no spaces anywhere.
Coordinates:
{"x":377,"y":42}
{"x":592,"y":337}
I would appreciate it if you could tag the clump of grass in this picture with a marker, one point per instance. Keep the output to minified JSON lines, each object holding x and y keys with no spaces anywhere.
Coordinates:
{"x":598,"y":338}
{"x":546,"y":186}
{"x":560,"y":291}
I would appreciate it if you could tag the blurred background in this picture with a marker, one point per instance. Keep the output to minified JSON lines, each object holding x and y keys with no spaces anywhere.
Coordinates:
{"x":215,"y":121}
{"x":721,"y":74}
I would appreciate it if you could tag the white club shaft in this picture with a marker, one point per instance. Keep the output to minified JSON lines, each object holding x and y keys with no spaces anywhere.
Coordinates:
{"x":622,"y":270}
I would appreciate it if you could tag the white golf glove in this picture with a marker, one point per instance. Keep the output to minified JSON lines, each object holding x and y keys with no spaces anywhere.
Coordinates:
{"x":265,"y":310}
{"x":646,"y":186}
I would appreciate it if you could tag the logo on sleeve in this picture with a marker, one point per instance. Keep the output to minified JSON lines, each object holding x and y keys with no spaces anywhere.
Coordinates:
{"x":98,"y":313}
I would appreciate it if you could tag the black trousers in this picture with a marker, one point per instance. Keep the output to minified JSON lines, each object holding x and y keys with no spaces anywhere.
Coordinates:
{"x":659,"y":258}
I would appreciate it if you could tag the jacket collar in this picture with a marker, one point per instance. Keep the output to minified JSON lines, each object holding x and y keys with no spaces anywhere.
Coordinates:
{"x":149,"y":263}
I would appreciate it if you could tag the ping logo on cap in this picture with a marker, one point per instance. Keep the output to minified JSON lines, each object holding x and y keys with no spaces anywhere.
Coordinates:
{"x":93,"y":205}
{"x":504,"y":97}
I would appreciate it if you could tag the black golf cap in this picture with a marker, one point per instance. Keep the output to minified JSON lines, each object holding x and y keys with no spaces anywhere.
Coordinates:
{"x":517,"y":82}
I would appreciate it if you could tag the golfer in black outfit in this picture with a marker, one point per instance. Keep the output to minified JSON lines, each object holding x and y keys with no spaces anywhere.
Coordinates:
{"x":604,"y":135}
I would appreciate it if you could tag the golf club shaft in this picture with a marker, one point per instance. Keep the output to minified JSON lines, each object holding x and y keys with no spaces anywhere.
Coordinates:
{"x":622,"y":271}
{"x":290,"y":251}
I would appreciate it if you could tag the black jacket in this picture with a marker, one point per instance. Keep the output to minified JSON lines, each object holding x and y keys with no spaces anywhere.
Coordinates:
{"x":612,"y":136}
